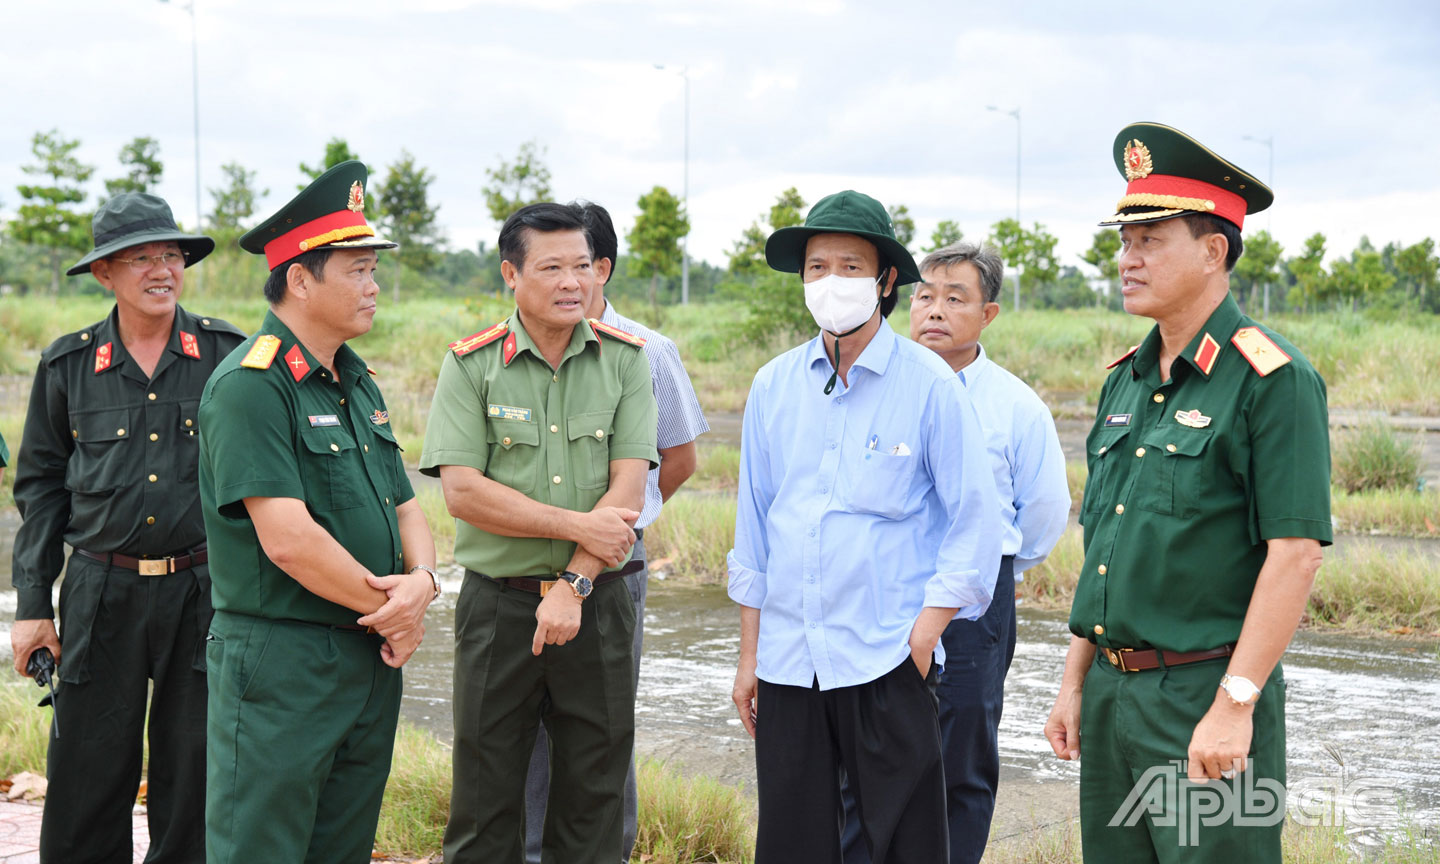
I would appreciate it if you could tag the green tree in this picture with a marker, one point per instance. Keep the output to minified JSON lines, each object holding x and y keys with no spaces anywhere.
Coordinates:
{"x":1420,"y":267}
{"x":1258,"y":266}
{"x":747,"y":256}
{"x":1103,"y":255}
{"x":1033,"y":251}
{"x":143,"y":169}
{"x":516,"y":184}
{"x":655,"y":239}
{"x":902,"y":223}
{"x":1361,"y":279}
{"x":410,"y":217}
{"x":1311,"y":281}
{"x":48,"y":217}
{"x":235,"y":202}
{"x":945,"y":233}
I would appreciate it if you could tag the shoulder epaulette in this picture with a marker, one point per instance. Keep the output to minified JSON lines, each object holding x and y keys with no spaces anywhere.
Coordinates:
{"x":1126,"y":356}
{"x":220,"y":326}
{"x":1261,"y":352}
{"x":69,"y":343}
{"x":371,"y":370}
{"x":461,"y":347}
{"x":262,"y":353}
{"x":616,"y":333}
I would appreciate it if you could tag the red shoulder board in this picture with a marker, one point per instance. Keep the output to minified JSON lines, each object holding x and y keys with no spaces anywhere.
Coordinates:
{"x":461,"y":347}
{"x":1125,"y":356}
{"x":616,"y":333}
{"x":371,"y":370}
{"x":1259,"y":350}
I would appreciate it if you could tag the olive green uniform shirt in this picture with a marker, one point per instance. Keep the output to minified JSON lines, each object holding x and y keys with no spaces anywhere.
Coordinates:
{"x":107,"y":460}
{"x":547,"y":433}
{"x":291,"y":431}
{"x":1176,"y":516}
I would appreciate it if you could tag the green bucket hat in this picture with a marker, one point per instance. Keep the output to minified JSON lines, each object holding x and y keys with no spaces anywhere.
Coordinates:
{"x":847,"y":212}
{"x":135,"y":218}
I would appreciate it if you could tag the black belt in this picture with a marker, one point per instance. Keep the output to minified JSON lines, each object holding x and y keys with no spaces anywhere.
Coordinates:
{"x":541,"y":584}
{"x":148,"y":566}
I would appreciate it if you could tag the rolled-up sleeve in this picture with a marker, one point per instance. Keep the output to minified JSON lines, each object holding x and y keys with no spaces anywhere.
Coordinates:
{"x":747,"y":562}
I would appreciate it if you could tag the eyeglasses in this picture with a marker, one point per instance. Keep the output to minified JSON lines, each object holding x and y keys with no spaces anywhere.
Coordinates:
{"x":143,"y":263}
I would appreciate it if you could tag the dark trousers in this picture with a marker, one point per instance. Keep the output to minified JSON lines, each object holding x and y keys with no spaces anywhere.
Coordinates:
{"x":883,"y":736}
{"x":537,"y":779}
{"x":126,"y":631}
{"x":584,"y":690}
{"x":972,"y":696}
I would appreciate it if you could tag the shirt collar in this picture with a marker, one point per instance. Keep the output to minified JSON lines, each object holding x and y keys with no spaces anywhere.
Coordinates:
{"x":580,"y":337}
{"x":347,"y":362}
{"x":1203,"y":349}
{"x":971,"y":373}
{"x":875,"y":357}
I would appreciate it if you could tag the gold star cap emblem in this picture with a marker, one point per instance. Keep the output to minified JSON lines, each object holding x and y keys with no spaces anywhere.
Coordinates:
{"x":357,"y":197}
{"x":1137,"y":160}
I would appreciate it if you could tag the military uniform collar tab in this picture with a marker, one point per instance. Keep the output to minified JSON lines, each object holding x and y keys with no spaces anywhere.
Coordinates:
{"x":184,"y":335}
{"x":1204,"y":350}
{"x":1146,"y":355}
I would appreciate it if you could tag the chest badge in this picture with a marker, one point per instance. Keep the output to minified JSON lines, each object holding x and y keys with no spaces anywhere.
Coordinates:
{"x":324,"y":420}
{"x":1192,"y":418}
{"x":380,"y":418}
{"x":1117,"y":420}
{"x":508,"y":412}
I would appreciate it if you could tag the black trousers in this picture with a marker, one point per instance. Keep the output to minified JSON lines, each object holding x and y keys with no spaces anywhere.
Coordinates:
{"x":127,"y":631}
{"x":884,"y":737}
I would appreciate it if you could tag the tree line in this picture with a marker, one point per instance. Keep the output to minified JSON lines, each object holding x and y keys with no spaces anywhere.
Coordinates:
{"x":52,"y":225}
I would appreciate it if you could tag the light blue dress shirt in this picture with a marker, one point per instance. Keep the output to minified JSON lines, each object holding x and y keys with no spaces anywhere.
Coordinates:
{"x":1025,"y":453}
{"x":859,"y":508}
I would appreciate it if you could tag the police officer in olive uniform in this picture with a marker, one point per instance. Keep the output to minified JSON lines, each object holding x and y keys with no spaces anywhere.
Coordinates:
{"x":324,"y":565}
{"x":542,"y":431}
{"x":1206,"y":509}
{"x":107,"y":466}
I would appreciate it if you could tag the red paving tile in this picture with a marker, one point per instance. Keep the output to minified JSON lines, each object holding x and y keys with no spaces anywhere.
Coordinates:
{"x":20,"y":833}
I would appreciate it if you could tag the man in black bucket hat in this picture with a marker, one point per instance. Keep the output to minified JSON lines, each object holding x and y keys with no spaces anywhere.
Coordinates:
{"x":867,"y":520}
{"x":107,"y":465}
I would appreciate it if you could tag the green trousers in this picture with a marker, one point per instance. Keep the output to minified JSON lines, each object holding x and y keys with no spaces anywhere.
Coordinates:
{"x":301,"y":728}
{"x":585,"y":692}
{"x":1136,"y":805}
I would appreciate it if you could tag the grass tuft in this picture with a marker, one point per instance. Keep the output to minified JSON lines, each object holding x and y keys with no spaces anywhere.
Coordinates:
{"x":24,"y":729}
{"x":1375,"y":456}
{"x":695,"y":531}
{"x":685,"y":820}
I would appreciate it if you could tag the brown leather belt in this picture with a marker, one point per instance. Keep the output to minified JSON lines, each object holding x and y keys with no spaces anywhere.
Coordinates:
{"x":149,"y":566}
{"x":1142,"y":659}
{"x":542,"y":584}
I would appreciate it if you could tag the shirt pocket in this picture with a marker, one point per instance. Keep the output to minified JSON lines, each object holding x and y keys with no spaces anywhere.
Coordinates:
{"x":102,"y":458}
{"x":514,"y":453}
{"x":330,"y":468}
{"x":385,"y":461}
{"x":187,"y":449}
{"x":1171,"y":477}
{"x":880,"y":484}
{"x":1103,"y":449}
{"x":589,"y":435}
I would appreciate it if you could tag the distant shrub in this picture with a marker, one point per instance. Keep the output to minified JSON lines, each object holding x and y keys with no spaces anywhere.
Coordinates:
{"x":1374,"y":456}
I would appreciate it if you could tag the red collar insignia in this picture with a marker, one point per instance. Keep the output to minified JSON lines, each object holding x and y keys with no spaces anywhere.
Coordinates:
{"x":103,"y":356}
{"x":295,"y":360}
{"x":509,"y":349}
{"x":190,"y":345}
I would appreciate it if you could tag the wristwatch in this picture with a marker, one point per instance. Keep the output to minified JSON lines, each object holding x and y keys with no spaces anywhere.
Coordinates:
{"x":581,"y":585}
{"x":434,"y":577}
{"x":1242,"y":691}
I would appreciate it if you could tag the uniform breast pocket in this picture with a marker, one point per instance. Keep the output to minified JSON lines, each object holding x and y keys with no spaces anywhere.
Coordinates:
{"x":880,"y":484}
{"x":187,"y":429}
{"x":1103,"y":448}
{"x":514,"y":458}
{"x":1171,"y":478}
{"x":590,"y":447}
{"x":385,"y":458}
{"x":103,"y":452}
{"x":331,"y":468}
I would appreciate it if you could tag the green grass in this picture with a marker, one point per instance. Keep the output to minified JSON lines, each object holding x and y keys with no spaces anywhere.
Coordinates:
{"x":1375,"y":455}
{"x":1398,"y":512}
{"x":718,"y":469}
{"x":691,"y":819}
{"x":695,"y":530}
{"x":442,"y":524}
{"x":417,"y":796}
{"x":24,"y":728}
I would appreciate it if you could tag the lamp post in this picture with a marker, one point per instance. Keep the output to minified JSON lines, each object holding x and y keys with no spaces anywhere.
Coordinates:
{"x":684,"y":72}
{"x":1270,"y":216}
{"x":195,"y":94}
{"x":1016,"y":114}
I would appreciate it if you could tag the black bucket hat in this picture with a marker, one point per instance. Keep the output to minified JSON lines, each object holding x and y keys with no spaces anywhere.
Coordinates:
{"x":847,"y":212}
{"x":135,"y":218}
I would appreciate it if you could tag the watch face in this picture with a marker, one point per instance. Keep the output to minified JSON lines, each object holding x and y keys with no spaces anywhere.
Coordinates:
{"x":1242,"y":691}
{"x":584,"y":585}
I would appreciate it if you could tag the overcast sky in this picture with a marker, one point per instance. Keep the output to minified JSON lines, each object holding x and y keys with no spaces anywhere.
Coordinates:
{"x":885,"y":97}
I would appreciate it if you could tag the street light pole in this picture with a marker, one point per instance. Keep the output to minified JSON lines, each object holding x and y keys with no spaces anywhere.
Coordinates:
{"x":1016,"y":115}
{"x":1269,"y":217}
{"x":684,"y":72}
{"x":195,"y":96}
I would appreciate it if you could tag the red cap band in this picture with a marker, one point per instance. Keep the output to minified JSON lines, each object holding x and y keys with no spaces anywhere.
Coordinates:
{"x":313,"y":234}
{"x":1184,"y":193}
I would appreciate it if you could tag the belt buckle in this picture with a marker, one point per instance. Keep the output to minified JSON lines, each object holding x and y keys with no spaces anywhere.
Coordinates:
{"x":1117,"y":658}
{"x":546,"y":585}
{"x":155,"y":566}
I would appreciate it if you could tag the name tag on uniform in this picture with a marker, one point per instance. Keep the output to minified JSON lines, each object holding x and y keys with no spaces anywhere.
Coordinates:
{"x":1117,"y":420}
{"x":324,"y":420}
{"x":507,"y":412}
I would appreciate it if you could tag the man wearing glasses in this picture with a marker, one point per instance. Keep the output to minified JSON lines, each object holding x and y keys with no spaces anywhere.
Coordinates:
{"x":107,"y":465}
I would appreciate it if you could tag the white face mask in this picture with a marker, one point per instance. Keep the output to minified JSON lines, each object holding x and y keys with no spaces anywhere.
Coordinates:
{"x":839,"y":304}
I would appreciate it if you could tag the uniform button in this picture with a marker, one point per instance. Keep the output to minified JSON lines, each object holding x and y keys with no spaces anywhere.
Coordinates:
{"x":204,"y":320}
{"x":839,"y":400}
{"x":599,"y":433}
{"x":154,"y":437}
{"x":189,"y":422}
{"x":387,"y":500}
{"x":824,"y":489}
{"x":149,"y":520}
{"x":1099,"y":630}
{"x":1103,"y":449}
{"x":335,"y":447}
{"x":153,"y":478}
{"x":555,"y":479}
{"x":832,"y":445}
{"x":342,"y":401}
{"x":1159,"y":397}
{"x":1170,"y":447}
{"x":84,"y":337}
{"x":1101,"y":568}
{"x":1139,"y":452}
{"x":554,"y":377}
{"x":120,"y":432}
{"x":813,"y":625}
{"x":367,"y":448}
{"x":152,"y":397}
{"x":812,"y":532}
{"x":1119,"y":508}
{"x":505,"y":441}
{"x":554,"y":428}
{"x":74,"y":433}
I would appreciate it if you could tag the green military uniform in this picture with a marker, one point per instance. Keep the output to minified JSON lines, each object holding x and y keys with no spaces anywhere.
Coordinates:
{"x":302,"y":709}
{"x":4,"y":453}
{"x":1188,"y":477}
{"x":107,"y":465}
{"x":551,"y":434}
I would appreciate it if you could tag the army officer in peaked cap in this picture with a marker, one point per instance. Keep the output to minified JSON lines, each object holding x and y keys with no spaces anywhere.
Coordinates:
{"x":324,"y":563}
{"x":1205,"y":512}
